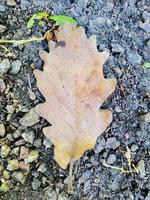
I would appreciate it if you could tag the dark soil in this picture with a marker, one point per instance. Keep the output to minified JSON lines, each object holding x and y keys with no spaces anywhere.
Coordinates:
{"x":122,"y":28}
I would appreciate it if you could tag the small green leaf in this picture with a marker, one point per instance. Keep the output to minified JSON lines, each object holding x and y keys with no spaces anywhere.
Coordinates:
{"x":62,"y":19}
{"x":147,"y":65}
{"x":40,"y":15}
{"x":40,"y":23}
{"x":30,"y":23}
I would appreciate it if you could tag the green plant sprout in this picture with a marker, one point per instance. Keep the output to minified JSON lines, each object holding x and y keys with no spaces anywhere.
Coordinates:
{"x":58,"y":19}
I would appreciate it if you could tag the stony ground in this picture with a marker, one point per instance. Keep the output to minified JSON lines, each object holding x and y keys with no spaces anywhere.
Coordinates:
{"x":27,"y":168}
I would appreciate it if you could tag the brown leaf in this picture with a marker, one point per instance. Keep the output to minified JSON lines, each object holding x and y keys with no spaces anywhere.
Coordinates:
{"x":74,"y":87}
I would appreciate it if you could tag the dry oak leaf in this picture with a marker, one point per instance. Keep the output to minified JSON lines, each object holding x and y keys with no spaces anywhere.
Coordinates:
{"x":74,"y":87}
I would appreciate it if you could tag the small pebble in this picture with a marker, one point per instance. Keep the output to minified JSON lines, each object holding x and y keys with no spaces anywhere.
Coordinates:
{"x":134,"y":58}
{"x":20,"y":142}
{"x":100,"y":146}
{"x":4,"y":66}
{"x":28,"y":136}
{"x":146,"y":117}
{"x":117,"y":48}
{"x":42,"y":168}
{"x":24,"y":152}
{"x":6,"y":174}
{"x":2,"y":130}
{"x":11,"y":3}
{"x":2,"y":8}
{"x":17,"y":134}
{"x":19,"y":176}
{"x":134,"y":147}
{"x":141,"y":168}
{"x":145,"y":26}
{"x":13,"y":165}
{"x":24,"y":166}
{"x":47,"y":143}
{"x":2,"y":28}
{"x":112,"y":143}
{"x":36,"y":184}
{"x":50,"y":194}
{"x":5,"y":149}
{"x":38,"y":143}
{"x":33,"y":155}
{"x":62,"y":196}
{"x":15,"y":151}
{"x":4,"y":187}
{"x":15,"y":66}
{"x":111,"y":159}
{"x":29,"y":119}
{"x":2,"y":86}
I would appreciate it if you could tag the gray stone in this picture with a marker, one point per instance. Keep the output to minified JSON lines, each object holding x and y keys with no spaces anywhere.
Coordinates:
{"x":62,"y":196}
{"x":15,"y":66}
{"x":5,"y":149}
{"x":28,"y":136}
{"x":6,"y":174}
{"x":112,"y":143}
{"x":145,"y":26}
{"x":33,"y":155}
{"x":134,"y":58}
{"x":38,"y":143}
{"x":109,"y":6}
{"x":36,"y":184}
{"x":100,"y":146}
{"x":132,"y":2}
{"x":2,"y":86}
{"x":50,"y":194}
{"x":24,"y":152}
{"x":148,"y":43}
{"x":2,"y":130}
{"x":117,"y":48}
{"x":19,"y":176}
{"x":30,"y":118}
{"x":17,"y":134}
{"x":84,"y":177}
{"x":141,"y":168}
{"x":148,"y":196}
{"x":134,"y":147}
{"x":42,"y":168}
{"x":47,"y":143}
{"x":11,"y":3}
{"x":2,"y":8}
{"x":4,"y":66}
{"x":111,"y":159}
{"x":146,"y":16}
{"x":13,"y":165}
{"x":101,"y":20}
{"x":15,"y":151}
{"x":82,"y":3}
{"x":2,"y":28}
{"x":146,"y":117}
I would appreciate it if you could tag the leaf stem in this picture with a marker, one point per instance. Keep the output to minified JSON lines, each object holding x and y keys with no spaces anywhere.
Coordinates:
{"x":70,"y":186}
{"x":22,"y":41}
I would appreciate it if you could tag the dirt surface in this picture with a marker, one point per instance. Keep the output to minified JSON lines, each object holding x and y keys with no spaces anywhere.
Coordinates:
{"x":122,"y":28}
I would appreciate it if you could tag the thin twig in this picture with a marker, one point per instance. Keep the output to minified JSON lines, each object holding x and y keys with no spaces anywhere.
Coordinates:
{"x":23,"y":41}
